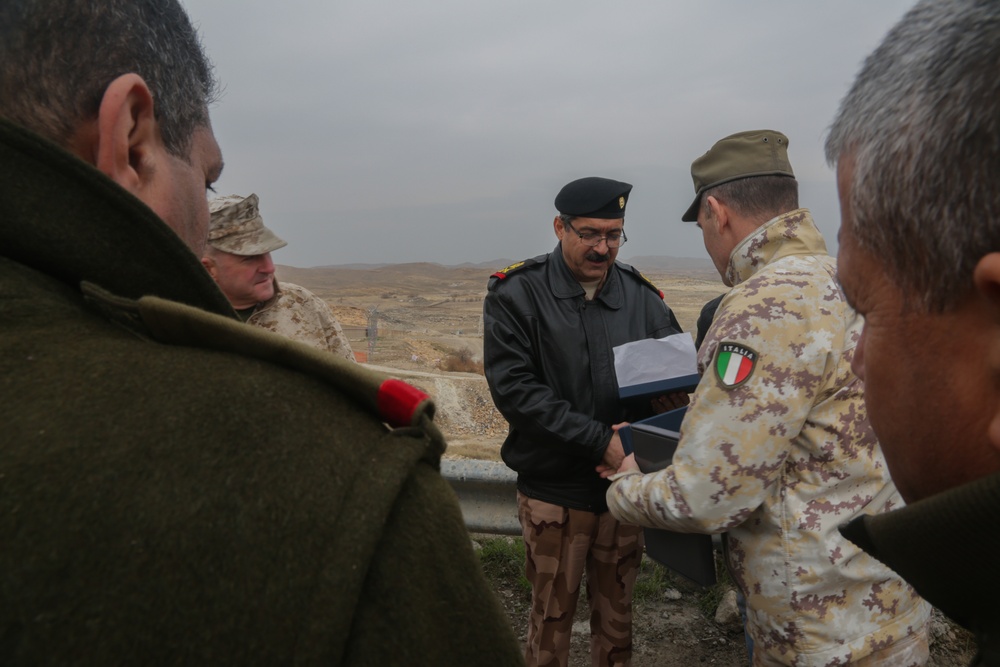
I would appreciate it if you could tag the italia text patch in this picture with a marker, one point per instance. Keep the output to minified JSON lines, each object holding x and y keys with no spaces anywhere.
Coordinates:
{"x":734,"y":364}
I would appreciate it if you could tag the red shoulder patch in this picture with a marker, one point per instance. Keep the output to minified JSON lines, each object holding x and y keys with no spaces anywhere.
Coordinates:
{"x":398,"y":402}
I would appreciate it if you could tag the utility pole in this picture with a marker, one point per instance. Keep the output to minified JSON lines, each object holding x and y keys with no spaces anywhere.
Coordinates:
{"x":372,"y":331}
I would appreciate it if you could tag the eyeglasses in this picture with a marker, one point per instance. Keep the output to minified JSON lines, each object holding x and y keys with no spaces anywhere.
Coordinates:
{"x":592,"y":239}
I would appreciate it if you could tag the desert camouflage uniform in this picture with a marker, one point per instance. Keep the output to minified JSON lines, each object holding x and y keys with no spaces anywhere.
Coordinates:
{"x":297,"y":313}
{"x":781,"y":457}
{"x":561,"y":543}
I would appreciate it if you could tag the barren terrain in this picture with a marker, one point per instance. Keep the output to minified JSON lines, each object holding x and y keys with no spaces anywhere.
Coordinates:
{"x":428,"y":316}
{"x":426,"y":313}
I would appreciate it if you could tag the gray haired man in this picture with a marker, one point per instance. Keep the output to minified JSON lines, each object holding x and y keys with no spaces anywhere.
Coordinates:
{"x":917,"y":148}
{"x":177,"y":488}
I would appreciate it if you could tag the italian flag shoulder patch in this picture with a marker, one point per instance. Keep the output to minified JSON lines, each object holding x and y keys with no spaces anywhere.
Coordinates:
{"x":734,"y":364}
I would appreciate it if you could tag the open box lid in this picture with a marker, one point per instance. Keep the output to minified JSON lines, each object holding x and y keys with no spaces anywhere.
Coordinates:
{"x":652,"y":367}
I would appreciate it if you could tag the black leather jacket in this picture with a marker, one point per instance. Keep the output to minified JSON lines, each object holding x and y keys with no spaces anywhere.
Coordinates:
{"x":550,"y":367}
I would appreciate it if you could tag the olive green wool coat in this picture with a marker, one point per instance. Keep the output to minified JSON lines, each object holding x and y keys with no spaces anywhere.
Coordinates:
{"x":179,"y":488}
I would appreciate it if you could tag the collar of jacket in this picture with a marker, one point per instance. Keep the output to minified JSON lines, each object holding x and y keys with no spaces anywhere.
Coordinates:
{"x":946,"y":547}
{"x":63,"y":217}
{"x":265,"y":305}
{"x":791,"y":233}
{"x":564,"y":284}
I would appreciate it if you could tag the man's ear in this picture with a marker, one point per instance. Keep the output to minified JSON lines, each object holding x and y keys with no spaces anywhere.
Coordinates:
{"x":986,"y":279}
{"x":720,"y":213}
{"x":128,"y":136}
{"x":209,"y":265}
{"x":559,"y":227}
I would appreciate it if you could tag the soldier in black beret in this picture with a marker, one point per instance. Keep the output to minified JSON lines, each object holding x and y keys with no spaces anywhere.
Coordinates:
{"x":550,"y":325}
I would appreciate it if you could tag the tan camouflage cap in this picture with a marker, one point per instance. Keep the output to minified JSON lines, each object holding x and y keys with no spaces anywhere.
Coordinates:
{"x":237,"y":227}
{"x":740,"y":155}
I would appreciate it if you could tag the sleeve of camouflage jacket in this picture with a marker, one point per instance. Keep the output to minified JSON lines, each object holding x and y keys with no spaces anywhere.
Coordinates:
{"x":735,"y":439}
{"x":336,"y":341}
{"x":297,"y":313}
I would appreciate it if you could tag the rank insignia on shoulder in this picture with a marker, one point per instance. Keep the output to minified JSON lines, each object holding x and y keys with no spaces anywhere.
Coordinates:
{"x":643,"y":279}
{"x":650,"y":283}
{"x":502,"y":273}
{"x":517,"y":266}
{"x":734,"y":364}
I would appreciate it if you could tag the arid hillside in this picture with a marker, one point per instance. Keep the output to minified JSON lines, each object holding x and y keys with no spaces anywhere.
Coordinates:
{"x":442,"y":305}
{"x":428,"y":319}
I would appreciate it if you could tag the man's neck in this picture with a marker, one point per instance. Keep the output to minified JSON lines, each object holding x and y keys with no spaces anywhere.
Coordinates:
{"x":593,"y":287}
{"x":245,"y":313}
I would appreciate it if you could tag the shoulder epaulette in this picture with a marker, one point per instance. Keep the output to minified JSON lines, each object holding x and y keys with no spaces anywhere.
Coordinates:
{"x":641,"y":278}
{"x":496,"y":277}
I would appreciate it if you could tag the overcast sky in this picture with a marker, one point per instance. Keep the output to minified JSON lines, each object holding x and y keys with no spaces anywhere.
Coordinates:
{"x":440,"y":131}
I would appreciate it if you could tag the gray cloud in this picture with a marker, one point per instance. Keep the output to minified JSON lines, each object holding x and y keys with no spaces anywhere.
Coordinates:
{"x":389,"y":131}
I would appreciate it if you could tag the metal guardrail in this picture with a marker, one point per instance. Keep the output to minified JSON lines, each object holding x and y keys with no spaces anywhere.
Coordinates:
{"x":487,"y":492}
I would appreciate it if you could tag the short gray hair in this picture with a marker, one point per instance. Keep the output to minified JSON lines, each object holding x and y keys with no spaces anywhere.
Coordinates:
{"x":922,"y":126}
{"x":57,"y":58}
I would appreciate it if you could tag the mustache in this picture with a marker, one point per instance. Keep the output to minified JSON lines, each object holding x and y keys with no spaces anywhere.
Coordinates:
{"x":593,"y":256}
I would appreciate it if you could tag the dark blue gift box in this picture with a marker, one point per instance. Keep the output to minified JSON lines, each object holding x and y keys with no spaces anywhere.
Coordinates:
{"x":646,"y":390}
{"x":654,"y":441}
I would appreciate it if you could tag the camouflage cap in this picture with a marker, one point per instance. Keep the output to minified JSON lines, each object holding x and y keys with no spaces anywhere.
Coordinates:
{"x":237,"y":227}
{"x":740,"y":155}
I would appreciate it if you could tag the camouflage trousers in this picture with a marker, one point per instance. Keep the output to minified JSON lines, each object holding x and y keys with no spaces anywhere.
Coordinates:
{"x":913,"y":650}
{"x":910,"y":651}
{"x":561,"y":545}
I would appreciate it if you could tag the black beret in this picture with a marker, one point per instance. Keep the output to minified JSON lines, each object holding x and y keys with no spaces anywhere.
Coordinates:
{"x":594,"y":197}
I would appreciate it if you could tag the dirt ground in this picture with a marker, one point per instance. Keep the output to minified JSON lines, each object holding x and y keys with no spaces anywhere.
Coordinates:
{"x":669,"y":631}
{"x":426,"y":314}
{"x":673,"y":631}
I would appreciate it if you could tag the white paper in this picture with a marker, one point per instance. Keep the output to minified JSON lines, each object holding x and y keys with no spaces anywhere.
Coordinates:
{"x":651,"y":360}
